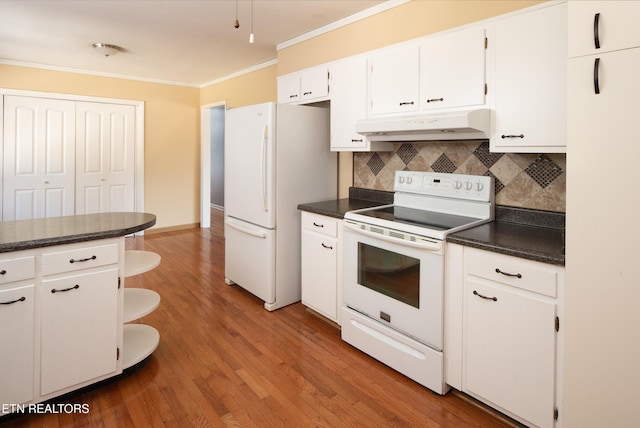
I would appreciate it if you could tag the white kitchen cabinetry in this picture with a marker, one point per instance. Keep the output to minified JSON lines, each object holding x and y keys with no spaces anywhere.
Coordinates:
{"x":349,"y":104}
{"x":452,"y":70}
{"x":530,"y":81}
{"x":394,"y":80}
{"x":308,"y":86}
{"x":139,"y":340}
{"x":79,"y":297}
{"x":321,"y":264}
{"x":602,"y":26}
{"x":17,"y":306}
{"x":509,"y":334}
{"x":603,"y":114}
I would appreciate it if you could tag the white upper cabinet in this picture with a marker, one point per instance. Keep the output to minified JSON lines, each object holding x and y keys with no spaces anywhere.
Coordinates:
{"x":530,"y":81}
{"x":308,"y":86}
{"x":348,"y":105}
{"x":452,"y":70}
{"x":602,"y":26}
{"x":394,"y":80}
{"x":289,"y":89}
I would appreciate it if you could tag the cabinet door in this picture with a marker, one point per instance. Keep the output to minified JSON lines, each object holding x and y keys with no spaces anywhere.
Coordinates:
{"x":289,"y":89}
{"x":394,"y":80}
{"x":79,"y":339}
{"x":509,"y":350}
{"x":348,"y":103}
{"x":610,"y":24}
{"x":601,"y":132}
{"x":452,"y":70}
{"x":319,"y":273}
{"x":17,"y":333}
{"x":530,"y":82}
{"x":39,"y":158}
{"x":104,"y":157}
{"x":314,"y":84}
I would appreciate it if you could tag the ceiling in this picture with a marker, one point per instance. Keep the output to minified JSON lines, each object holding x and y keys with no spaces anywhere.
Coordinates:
{"x":175,"y":41}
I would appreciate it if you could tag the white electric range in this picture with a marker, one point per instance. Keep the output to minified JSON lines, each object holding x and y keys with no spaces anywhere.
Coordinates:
{"x":394,"y":269}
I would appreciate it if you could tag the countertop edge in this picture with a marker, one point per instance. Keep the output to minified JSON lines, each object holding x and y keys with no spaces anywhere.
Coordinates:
{"x":509,"y":251}
{"x":71,"y":238}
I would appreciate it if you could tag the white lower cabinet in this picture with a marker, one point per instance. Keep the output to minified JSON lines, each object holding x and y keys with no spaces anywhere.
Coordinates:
{"x":321,"y":264}
{"x":509,"y":355}
{"x":79,"y":336}
{"x":61,"y":311}
{"x":17,"y":332}
{"x":510,"y":339}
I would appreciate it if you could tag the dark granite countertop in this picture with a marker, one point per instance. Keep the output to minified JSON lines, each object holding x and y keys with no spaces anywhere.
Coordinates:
{"x":25,"y":234}
{"x":529,"y":234}
{"x":358,"y":199}
{"x":541,"y":244}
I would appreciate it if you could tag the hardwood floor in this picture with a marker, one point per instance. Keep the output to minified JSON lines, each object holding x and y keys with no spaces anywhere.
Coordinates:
{"x":223,"y":360}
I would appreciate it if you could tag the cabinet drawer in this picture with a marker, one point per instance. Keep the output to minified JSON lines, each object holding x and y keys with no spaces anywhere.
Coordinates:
{"x":79,"y":258}
{"x":320,"y":223}
{"x":17,"y":269}
{"x":525,"y":274}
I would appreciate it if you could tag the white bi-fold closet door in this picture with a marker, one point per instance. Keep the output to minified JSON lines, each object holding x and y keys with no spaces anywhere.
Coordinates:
{"x":64,"y":157}
{"x":105,"y":137}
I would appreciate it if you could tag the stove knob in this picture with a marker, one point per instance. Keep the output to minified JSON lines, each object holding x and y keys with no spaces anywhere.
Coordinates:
{"x":400,"y":179}
{"x":458,"y":185}
{"x":479,"y":186}
{"x":468,"y":185}
{"x":409,"y":180}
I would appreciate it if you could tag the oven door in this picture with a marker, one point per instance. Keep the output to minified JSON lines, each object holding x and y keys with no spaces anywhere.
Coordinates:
{"x":396,"y":282}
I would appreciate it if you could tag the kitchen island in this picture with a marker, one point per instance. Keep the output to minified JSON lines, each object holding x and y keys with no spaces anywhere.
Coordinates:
{"x":62,"y":301}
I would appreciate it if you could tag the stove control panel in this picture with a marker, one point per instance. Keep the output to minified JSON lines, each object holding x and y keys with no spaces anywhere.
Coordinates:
{"x":462,"y":186}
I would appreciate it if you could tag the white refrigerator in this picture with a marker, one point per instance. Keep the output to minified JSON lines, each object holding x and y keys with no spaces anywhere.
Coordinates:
{"x":276,"y":157}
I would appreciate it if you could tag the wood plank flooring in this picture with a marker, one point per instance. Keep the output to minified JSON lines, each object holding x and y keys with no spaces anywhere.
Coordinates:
{"x":224,"y":361}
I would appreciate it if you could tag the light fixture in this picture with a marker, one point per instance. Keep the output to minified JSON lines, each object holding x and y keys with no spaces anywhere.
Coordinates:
{"x":107,"y":49}
{"x":236,"y":23}
{"x":251,"y":37}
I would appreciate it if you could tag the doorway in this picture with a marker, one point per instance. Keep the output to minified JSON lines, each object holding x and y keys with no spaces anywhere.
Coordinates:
{"x":211,"y":160}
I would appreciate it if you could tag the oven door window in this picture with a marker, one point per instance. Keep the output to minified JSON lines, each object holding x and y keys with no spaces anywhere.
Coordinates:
{"x":392,"y":274}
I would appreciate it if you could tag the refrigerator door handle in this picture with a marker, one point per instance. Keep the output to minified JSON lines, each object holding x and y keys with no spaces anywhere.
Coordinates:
{"x":248,"y":231}
{"x":265,"y":136}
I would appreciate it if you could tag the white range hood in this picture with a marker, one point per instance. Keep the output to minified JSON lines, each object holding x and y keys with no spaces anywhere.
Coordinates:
{"x":453,"y":125}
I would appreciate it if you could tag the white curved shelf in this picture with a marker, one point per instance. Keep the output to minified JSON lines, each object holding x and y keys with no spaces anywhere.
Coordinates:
{"x":139,"y":342}
{"x":138,"y":261}
{"x":139,"y":302}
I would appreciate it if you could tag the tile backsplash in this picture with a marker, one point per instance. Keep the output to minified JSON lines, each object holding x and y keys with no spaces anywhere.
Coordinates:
{"x":535,"y":181}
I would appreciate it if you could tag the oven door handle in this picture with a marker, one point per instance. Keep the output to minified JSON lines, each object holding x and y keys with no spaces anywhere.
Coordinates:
{"x":433,"y":246}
